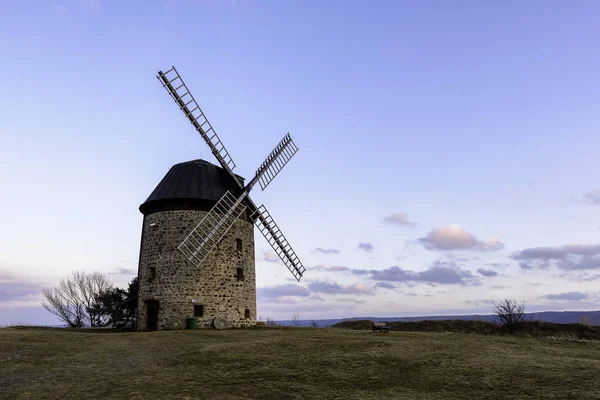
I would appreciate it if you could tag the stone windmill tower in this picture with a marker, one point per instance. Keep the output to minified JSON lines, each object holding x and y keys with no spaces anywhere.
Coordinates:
{"x":197,"y":247}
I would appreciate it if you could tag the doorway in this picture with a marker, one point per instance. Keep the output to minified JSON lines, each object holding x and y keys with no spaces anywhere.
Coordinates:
{"x":152,"y":314}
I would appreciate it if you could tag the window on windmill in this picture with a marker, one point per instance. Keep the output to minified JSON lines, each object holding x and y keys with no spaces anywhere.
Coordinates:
{"x":198,"y":310}
{"x":238,"y":244}
{"x":152,"y":274}
{"x":240,"y":274}
{"x":247,"y":314}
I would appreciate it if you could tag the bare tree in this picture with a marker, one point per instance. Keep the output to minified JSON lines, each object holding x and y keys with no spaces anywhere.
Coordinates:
{"x":510,"y":314}
{"x":296,"y":319}
{"x":314,"y":323}
{"x":74,"y":300}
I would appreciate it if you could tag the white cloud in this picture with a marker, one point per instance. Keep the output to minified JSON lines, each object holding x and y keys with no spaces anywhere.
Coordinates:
{"x":453,"y":237}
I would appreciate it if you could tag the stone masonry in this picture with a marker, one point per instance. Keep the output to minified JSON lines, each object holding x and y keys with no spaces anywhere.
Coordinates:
{"x":218,"y":285}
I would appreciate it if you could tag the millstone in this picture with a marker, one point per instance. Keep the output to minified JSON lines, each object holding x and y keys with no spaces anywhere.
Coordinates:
{"x":220,"y":323}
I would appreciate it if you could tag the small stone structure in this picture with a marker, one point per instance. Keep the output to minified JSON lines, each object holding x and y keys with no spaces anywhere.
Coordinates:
{"x":171,"y":289}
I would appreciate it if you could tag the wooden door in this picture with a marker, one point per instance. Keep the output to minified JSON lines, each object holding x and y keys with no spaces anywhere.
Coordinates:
{"x":151,"y":314}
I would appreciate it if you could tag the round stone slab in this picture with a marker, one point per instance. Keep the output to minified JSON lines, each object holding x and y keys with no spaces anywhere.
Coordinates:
{"x":220,"y":323}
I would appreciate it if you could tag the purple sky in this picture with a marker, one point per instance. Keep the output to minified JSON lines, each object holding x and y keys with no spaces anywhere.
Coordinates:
{"x":448,"y":150}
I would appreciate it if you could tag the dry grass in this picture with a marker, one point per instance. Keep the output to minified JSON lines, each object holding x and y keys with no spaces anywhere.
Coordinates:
{"x":292,"y":363}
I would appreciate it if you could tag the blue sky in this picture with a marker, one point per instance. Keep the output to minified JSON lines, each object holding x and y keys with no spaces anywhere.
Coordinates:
{"x":459,"y":139}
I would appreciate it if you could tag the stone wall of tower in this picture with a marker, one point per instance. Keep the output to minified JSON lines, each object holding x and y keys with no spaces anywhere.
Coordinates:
{"x":176,"y":283}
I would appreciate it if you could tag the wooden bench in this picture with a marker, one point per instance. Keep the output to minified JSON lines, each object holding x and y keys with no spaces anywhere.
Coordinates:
{"x":381,"y":327}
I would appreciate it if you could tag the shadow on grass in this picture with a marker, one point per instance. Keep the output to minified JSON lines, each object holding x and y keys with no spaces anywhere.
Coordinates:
{"x":61,"y":329}
{"x":105,"y":330}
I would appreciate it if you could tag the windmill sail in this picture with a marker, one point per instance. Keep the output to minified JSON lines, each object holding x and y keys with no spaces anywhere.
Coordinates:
{"x":180,"y":93}
{"x":275,"y":162}
{"x":207,"y":234}
{"x":278,"y":242}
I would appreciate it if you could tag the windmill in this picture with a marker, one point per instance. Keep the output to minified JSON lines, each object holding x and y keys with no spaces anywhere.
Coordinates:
{"x":212,"y":228}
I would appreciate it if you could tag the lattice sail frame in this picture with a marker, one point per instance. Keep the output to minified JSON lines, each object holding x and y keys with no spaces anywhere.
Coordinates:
{"x":267,"y":226}
{"x":275,"y":162}
{"x":184,"y":99}
{"x":211,"y":229}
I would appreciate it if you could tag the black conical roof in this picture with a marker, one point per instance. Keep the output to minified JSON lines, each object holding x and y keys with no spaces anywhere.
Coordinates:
{"x":194,"y":184}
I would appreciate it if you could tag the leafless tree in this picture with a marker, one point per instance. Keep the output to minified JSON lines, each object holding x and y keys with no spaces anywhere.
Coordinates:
{"x":73,"y":301}
{"x":314,"y":323}
{"x":296,"y":319}
{"x":510,"y":314}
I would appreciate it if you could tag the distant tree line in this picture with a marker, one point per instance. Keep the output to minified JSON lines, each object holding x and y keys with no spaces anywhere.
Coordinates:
{"x":89,"y":299}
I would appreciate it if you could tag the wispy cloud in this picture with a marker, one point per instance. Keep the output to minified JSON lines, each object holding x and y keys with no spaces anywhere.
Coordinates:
{"x":455,"y":258}
{"x":498,"y":265}
{"x":440,"y":272}
{"x":570,"y":257}
{"x":318,"y":308}
{"x":487,"y":272}
{"x":270,"y":256}
{"x":16,"y":289}
{"x":568,"y":296}
{"x":453,"y":237}
{"x":525,"y":266}
{"x":333,"y":268}
{"x":592,"y":197}
{"x":124,"y":271}
{"x":326,"y":251}
{"x":480,"y":303}
{"x":334,"y":288}
{"x":385,"y":285}
{"x":399,"y":219}
{"x":289,"y":290}
{"x":579,"y":276}
{"x":365,"y":246}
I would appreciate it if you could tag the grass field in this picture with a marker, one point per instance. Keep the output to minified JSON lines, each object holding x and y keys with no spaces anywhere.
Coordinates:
{"x":292,"y":363}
